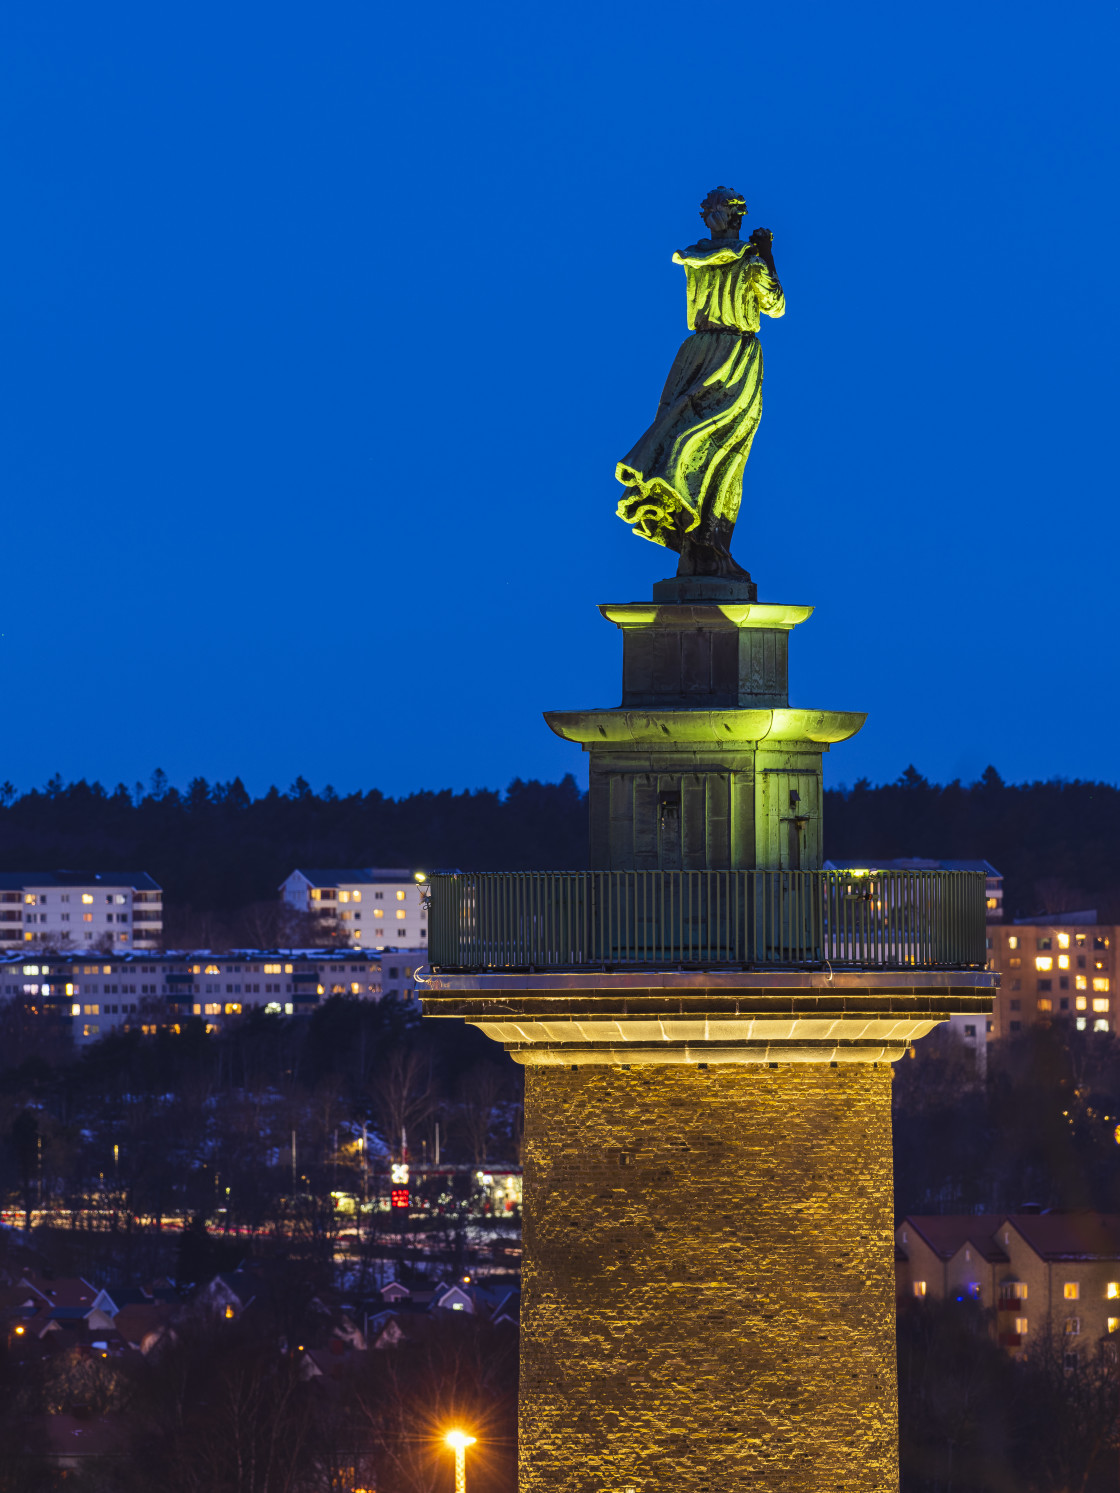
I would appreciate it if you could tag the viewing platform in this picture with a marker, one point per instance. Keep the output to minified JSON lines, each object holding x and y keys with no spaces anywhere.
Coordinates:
{"x":625,"y":967}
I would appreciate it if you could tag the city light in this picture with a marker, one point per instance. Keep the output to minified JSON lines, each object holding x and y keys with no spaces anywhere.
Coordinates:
{"x":459,"y":1441}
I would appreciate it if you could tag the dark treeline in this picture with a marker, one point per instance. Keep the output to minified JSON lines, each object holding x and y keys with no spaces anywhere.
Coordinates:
{"x":1054,"y":842}
{"x":1040,"y":1128}
{"x":215,"y":849}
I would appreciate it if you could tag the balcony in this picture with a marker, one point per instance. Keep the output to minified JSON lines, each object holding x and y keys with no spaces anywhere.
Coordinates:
{"x":570,"y":920}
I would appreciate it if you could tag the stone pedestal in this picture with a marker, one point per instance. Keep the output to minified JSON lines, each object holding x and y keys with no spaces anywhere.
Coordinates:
{"x":709,"y":1282}
{"x":704,"y":765}
{"x":707,"y":1021}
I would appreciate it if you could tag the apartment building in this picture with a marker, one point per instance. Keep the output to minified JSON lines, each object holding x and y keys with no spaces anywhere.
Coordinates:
{"x":84,"y":909}
{"x":1059,"y":970}
{"x":994,"y":878}
{"x":1037,"y":1272}
{"x":95,"y":997}
{"x":371,"y":908}
{"x":402,"y":973}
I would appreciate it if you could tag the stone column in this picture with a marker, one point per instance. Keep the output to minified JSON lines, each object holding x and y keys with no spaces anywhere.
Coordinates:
{"x":709,"y":1281}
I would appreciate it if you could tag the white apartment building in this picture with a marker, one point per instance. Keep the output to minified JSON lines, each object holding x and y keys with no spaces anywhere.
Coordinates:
{"x":374,"y":908}
{"x":80,"y":909}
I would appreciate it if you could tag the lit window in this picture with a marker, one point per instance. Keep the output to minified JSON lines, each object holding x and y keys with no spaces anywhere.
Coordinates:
{"x":1071,"y":1290}
{"x":287,"y":969}
{"x":1043,"y":961}
{"x":71,"y":990}
{"x":31,"y":969}
{"x":29,"y":897}
{"x":316,"y":894}
{"x":1100,"y":982}
{"x":344,"y":896}
{"x":1063,"y":940}
{"x":402,"y":914}
{"x":355,"y":989}
{"x":230,"y":1313}
{"x":1114,"y":1324}
{"x":272,"y":969}
{"x":212,"y":1010}
{"x":1100,"y":1003}
{"x":379,"y":912}
{"x":87,"y":898}
{"x":197,"y":1010}
{"x":89,"y":1030}
{"x":355,"y":896}
{"x":1080,"y":982}
{"x":213,"y":969}
{"x":919,"y":1288}
{"x":1101,"y":1024}
{"x":1112,"y":1290}
{"x":288,"y":1008}
{"x":1063,"y":961}
{"x":272,"y":1008}
{"x":1021,"y":1326}
{"x":90,"y":1011}
{"x":400,"y":896}
{"x":1081,"y":1023}
{"x":75,"y":1010}
{"x":1013,"y":941}
{"x":233,"y":1008}
{"x":1045,"y":1003}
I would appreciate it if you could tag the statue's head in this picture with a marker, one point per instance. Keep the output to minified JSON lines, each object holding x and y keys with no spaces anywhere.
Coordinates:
{"x":723,"y":210}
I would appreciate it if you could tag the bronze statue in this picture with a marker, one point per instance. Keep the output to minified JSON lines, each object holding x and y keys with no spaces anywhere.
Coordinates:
{"x":684,"y":478}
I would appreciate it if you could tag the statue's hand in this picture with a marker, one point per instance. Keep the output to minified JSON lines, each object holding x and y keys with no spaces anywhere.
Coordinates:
{"x":763,"y":241}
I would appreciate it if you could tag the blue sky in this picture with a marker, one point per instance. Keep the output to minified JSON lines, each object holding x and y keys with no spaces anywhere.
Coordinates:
{"x":324,"y":328}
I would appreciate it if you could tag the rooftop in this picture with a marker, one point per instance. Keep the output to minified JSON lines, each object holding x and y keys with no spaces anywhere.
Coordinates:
{"x":138,"y":881}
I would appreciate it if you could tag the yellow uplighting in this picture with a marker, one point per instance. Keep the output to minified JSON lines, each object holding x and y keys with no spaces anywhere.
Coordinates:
{"x":459,"y":1440}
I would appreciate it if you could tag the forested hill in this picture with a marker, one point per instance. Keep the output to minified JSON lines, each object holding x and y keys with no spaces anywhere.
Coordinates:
{"x":214,"y":847}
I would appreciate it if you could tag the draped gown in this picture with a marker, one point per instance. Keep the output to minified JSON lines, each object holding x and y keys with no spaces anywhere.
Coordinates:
{"x":686,"y":473}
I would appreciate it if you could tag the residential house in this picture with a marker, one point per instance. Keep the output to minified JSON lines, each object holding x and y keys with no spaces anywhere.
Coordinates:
{"x":1036,"y":1271}
{"x":369,"y":907}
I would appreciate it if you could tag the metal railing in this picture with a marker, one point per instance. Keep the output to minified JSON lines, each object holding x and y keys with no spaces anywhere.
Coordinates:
{"x":529,"y":920}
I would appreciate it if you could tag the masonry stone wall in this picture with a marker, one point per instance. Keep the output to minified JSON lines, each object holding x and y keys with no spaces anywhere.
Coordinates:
{"x":709,"y":1291}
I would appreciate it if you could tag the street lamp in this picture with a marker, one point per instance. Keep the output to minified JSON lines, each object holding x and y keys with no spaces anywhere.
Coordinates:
{"x":459,"y":1441}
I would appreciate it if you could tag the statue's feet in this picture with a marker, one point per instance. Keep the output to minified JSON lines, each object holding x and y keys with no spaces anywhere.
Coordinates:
{"x":707,"y":557}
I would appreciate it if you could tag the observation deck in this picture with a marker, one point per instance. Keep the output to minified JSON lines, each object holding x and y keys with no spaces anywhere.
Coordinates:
{"x":625,"y":967}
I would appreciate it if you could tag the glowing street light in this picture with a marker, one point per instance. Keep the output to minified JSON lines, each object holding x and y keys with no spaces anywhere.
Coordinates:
{"x":459,"y":1441}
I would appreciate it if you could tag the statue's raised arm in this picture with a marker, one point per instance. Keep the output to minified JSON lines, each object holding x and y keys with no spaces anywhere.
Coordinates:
{"x":684,"y":478}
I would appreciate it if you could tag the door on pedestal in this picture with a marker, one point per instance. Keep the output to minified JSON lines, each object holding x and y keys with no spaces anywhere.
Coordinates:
{"x":786,"y":912}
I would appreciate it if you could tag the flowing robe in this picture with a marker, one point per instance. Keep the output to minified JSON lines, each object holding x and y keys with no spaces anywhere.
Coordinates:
{"x":686,"y":472}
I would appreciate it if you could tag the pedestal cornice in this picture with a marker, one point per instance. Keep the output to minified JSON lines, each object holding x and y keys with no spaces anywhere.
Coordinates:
{"x":603,"y":727}
{"x":672,"y":1017}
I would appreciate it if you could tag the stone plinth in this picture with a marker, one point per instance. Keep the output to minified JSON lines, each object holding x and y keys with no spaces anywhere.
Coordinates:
{"x":705,"y":765}
{"x":707,"y":1022}
{"x":709,"y":1282}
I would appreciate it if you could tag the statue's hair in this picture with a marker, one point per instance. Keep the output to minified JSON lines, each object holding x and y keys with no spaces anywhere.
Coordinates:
{"x":728,"y":196}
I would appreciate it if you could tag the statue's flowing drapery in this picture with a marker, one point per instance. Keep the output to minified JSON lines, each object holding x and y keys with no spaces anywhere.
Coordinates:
{"x":686,"y":472}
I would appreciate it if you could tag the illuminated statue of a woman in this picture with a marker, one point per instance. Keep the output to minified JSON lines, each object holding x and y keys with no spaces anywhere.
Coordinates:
{"x":684,"y":478}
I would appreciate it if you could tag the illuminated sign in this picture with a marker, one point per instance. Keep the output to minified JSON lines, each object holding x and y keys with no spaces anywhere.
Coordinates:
{"x":399,"y":1172}
{"x":398,"y":1197}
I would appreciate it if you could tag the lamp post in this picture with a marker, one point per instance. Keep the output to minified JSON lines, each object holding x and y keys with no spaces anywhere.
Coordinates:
{"x":459,"y":1441}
